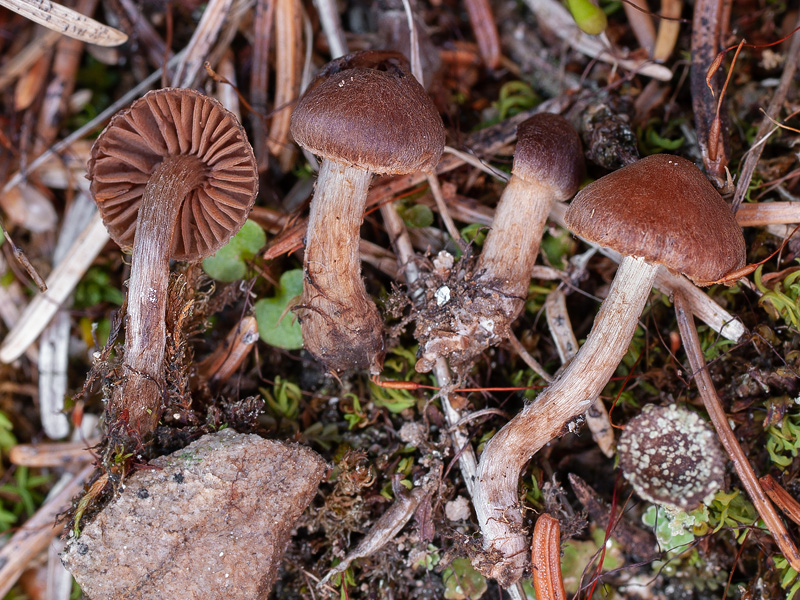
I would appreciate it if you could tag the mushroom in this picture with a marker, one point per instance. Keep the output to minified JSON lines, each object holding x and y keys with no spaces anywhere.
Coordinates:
{"x":173,"y":177}
{"x":364,"y":114}
{"x":671,"y":457}
{"x":659,"y":210}
{"x":548,"y":167}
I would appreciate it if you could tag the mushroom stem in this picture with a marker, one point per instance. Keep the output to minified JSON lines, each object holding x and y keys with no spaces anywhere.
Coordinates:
{"x":716,"y":413}
{"x":145,"y":332}
{"x":558,"y":321}
{"x":512,"y":245}
{"x":496,"y":499}
{"x":340,"y":322}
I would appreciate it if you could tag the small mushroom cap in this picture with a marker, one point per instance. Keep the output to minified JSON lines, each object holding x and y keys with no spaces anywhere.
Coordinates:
{"x":377,"y":118}
{"x":549,"y":152}
{"x":663,"y":209}
{"x":175,"y":122}
{"x":671,"y":457}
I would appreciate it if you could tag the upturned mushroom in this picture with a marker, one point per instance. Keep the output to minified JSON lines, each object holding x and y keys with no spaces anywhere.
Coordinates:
{"x":548,"y":167}
{"x":364,"y":114}
{"x":659,"y":210}
{"x":174,"y":177}
{"x":671,"y":457}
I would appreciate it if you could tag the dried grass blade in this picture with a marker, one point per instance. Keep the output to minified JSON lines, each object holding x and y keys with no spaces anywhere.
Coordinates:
{"x":67,"y":21}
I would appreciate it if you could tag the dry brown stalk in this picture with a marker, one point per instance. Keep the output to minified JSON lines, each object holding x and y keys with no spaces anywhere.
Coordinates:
{"x":768,"y":213}
{"x":214,"y":17}
{"x":259,"y":77}
{"x":783,"y":499}
{"x":152,"y":44}
{"x":221,"y":364}
{"x":638,"y":14}
{"x":23,"y":61}
{"x":58,"y":454}
{"x":707,"y":28}
{"x":668,"y":29}
{"x":30,"y":83}
{"x":716,"y":413}
{"x":67,"y":22}
{"x":62,"y":83}
{"x":288,"y":67}
{"x":484,"y":27}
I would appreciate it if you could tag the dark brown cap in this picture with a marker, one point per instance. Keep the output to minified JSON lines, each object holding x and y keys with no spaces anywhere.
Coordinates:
{"x":671,"y":457}
{"x":175,"y":122}
{"x":378,"y":119}
{"x":549,"y":152}
{"x":663,"y":209}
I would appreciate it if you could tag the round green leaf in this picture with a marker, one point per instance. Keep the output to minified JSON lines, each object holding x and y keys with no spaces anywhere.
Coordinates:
{"x":277,"y":325}
{"x":229,"y":263}
{"x":417,"y":216}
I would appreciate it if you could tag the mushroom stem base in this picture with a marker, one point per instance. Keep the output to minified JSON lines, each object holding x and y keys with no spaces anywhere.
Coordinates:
{"x":340,"y":323}
{"x":483,"y":307}
{"x":496,"y":499}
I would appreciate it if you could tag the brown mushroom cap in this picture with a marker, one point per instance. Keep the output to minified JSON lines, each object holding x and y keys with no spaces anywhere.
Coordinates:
{"x":663,"y":209}
{"x":173,"y":122}
{"x":549,"y":152}
{"x":671,"y":457}
{"x":379,"y":120}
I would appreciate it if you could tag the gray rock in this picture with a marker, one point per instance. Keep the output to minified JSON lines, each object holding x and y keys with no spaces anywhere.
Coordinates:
{"x":210,"y":521}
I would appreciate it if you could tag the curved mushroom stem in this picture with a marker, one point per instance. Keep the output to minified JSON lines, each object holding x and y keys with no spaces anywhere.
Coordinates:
{"x":716,"y":413}
{"x":496,"y":499}
{"x":512,"y":245}
{"x":145,"y":333}
{"x":340,"y":322}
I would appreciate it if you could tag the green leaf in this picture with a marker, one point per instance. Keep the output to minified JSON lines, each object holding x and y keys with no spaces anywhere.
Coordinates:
{"x":576,"y":554}
{"x":589,"y":17}
{"x":514,"y":97}
{"x":229,"y":263}
{"x":7,"y":439}
{"x":277,"y":326}
{"x":661,"y":142}
{"x":474,"y":233}
{"x":462,"y":581}
{"x":96,"y":287}
{"x":395,"y":400}
{"x":417,"y":216}
{"x":558,"y":246}
{"x":7,"y":519}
